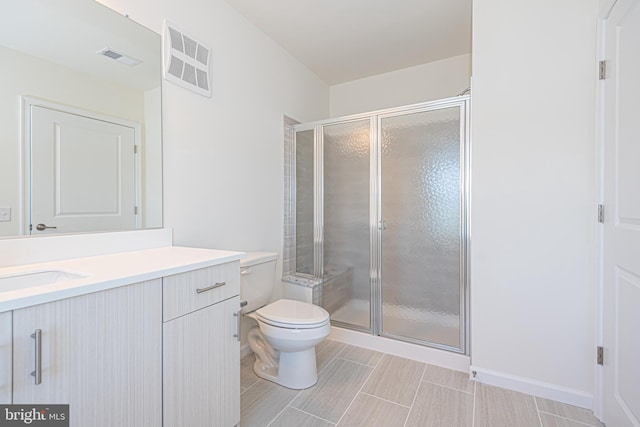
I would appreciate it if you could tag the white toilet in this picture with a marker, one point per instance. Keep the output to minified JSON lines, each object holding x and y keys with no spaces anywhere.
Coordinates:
{"x":288,"y":331}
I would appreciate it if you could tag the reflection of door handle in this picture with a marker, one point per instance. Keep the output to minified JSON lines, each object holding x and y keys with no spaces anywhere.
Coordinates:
{"x":382,"y":225}
{"x":42,"y":227}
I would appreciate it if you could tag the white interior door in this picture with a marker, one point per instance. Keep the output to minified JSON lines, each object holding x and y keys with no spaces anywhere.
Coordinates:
{"x":621,"y":307}
{"x":82,"y":173}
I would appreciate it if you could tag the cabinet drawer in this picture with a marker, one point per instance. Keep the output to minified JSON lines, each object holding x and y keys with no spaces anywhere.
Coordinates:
{"x":186,"y":292}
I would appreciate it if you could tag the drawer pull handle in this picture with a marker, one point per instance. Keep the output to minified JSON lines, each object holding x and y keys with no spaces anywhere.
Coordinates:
{"x":238,"y":320}
{"x":37,"y":335}
{"x":208,"y":288}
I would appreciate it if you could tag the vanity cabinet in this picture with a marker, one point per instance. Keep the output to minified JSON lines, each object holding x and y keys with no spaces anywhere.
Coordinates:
{"x":100,"y":353}
{"x":6,"y":355}
{"x":128,"y":353}
{"x":201,"y":347}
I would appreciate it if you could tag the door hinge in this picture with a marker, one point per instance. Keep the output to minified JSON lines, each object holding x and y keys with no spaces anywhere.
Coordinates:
{"x":602,"y":70}
{"x":135,"y":210}
{"x":135,"y":149}
{"x":600,"y":355}
{"x":601,"y":213}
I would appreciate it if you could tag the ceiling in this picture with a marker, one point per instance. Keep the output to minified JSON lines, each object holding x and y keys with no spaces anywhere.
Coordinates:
{"x":70,"y":32}
{"x":344,"y":40}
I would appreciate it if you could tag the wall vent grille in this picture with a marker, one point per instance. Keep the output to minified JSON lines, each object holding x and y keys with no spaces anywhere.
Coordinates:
{"x":186,"y":61}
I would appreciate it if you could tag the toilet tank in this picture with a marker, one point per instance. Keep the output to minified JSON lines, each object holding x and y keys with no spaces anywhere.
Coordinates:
{"x":257,"y":277}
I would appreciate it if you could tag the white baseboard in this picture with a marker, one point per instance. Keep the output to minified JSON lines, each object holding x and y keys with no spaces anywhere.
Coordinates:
{"x":533,"y":387}
{"x":446,"y":359}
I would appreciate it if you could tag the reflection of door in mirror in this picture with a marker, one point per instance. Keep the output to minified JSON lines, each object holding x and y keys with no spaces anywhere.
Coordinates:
{"x":83,"y":173}
{"x":54,"y":51}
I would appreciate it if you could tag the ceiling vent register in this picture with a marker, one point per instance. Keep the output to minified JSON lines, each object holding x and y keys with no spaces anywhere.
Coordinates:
{"x":186,"y":62}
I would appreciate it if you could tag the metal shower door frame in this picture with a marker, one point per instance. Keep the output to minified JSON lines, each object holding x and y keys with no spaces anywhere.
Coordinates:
{"x":375,"y":207}
{"x":462,"y":102}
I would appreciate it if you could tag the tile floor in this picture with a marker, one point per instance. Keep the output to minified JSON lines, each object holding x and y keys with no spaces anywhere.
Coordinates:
{"x":361,"y":387}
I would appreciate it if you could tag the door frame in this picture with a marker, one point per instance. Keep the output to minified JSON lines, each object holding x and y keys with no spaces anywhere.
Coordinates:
{"x":606,"y":7}
{"x":598,"y":254}
{"x":26,"y":103}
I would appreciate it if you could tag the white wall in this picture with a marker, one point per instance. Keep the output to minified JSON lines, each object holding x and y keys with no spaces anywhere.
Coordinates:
{"x":532,"y":196}
{"x":533,"y":209}
{"x":152,"y":159}
{"x":426,"y":82}
{"x":223,"y":156}
{"x":27,"y":75}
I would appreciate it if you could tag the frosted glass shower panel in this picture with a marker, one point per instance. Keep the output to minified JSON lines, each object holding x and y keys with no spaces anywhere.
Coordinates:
{"x":304,"y":201}
{"x":421,"y":239}
{"x":346,"y":159}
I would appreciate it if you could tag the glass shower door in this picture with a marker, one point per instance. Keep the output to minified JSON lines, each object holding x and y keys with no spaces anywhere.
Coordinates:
{"x":421,"y":296}
{"x":346,"y":255}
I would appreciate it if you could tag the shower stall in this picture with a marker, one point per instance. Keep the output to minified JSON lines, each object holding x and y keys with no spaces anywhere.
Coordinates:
{"x":378,"y":208}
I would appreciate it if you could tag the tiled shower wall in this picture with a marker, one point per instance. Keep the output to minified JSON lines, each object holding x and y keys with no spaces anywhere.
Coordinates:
{"x":299,"y":256}
{"x":304,"y":202}
{"x":288,"y":254}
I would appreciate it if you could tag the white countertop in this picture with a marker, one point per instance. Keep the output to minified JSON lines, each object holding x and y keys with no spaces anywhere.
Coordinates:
{"x":110,"y":271}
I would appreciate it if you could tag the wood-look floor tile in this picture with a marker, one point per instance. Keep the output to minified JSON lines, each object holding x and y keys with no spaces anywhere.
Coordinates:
{"x":360,"y":355}
{"x":292,"y":417}
{"x":337,"y":386}
{"x":497,"y":407}
{"x":395,"y":379}
{"x":437,"y":406}
{"x":550,"y":420}
{"x":449,"y":378}
{"x":326,"y":351}
{"x":247,"y":376}
{"x":367,"y":411}
{"x":567,"y":411}
{"x":263,"y":402}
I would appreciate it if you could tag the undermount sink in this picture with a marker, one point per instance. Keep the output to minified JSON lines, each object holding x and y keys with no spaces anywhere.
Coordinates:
{"x":29,"y":279}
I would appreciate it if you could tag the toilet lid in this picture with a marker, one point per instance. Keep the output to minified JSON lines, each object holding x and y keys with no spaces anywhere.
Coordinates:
{"x":290,"y":313}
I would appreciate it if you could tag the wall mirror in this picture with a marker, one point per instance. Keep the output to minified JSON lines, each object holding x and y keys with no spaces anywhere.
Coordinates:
{"x":81,"y":134}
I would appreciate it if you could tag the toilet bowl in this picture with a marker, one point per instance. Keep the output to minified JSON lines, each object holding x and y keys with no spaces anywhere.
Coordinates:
{"x":287,"y":331}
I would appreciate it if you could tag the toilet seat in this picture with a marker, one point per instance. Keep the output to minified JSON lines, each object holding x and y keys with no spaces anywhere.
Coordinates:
{"x":290,"y":314}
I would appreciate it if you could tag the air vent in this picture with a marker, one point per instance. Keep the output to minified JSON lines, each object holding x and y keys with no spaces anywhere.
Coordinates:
{"x":186,"y":61}
{"x":117,"y":56}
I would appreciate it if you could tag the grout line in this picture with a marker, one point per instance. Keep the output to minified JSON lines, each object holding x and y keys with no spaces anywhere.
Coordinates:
{"x":475,"y":393}
{"x":251,"y":386}
{"x":310,"y":414}
{"x":415,"y":395}
{"x":285,"y":407}
{"x":537,"y":410}
{"x":361,"y":387}
{"x":565,"y":418}
{"x":331,"y":360}
{"x":342,"y":349}
{"x":386,"y":400}
{"x":296,"y":396}
{"x":357,"y":363}
{"x":447,"y":386}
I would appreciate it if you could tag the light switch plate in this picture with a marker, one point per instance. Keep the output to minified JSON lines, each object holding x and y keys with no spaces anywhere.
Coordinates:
{"x":5,"y":214}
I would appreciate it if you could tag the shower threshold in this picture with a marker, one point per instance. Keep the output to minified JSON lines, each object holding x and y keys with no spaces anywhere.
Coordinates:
{"x":402,"y":322}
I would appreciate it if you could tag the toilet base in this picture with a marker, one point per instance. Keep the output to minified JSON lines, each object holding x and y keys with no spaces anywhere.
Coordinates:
{"x":295,"y":370}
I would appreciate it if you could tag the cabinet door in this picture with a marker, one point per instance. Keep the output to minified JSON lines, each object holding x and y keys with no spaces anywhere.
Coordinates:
{"x":202,"y":367}
{"x":5,"y":357}
{"x":100,"y":353}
